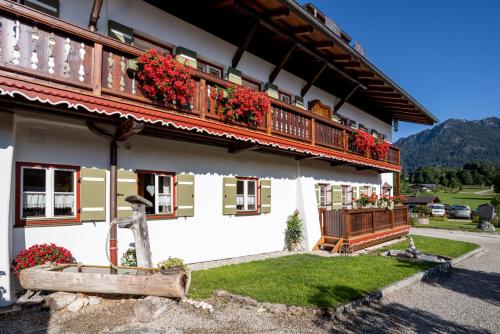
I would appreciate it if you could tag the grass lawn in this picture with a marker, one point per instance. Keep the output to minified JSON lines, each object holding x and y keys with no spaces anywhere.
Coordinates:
{"x":470,"y":199}
{"x":452,"y":225}
{"x":311,"y":280}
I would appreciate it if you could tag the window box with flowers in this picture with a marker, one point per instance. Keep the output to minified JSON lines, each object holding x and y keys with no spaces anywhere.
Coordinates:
{"x":164,"y":80}
{"x":366,"y":201}
{"x":242,"y":105}
{"x":362,"y":141}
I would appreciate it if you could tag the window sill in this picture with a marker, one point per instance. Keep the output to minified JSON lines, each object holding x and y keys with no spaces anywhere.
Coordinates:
{"x":47,"y":222}
{"x":161,"y":216}
{"x":247,"y":213}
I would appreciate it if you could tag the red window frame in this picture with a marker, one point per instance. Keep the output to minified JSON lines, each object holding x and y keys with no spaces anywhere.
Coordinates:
{"x":289,"y":96}
{"x":204,"y":62}
{"x":19,"y":221}
{"x":249,"y":83}
{"x":257,"y":196}
{"x":157,"y":216}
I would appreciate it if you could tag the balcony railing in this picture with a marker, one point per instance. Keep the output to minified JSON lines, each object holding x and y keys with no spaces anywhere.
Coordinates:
{"x":44,"y":48}
{"x":349,"y":223}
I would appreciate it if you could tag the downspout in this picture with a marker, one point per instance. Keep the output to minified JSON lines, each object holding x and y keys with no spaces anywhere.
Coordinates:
{"x":94,"y":15}
{"x":113,"y":210}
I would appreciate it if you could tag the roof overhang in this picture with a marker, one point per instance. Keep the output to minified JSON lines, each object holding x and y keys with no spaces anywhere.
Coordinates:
{"x":287,"y":35}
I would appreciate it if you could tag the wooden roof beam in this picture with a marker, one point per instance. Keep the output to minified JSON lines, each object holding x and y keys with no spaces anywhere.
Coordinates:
{"x":277,"y":69}
{"x":277,"y":13}
{"x":350,"y":64}
{"x":311,"y":82}
{"x":302,"y":30}
{"x":380,"y":89}
{"x":373,"y":83}
{"x":323,"y":45}
{"x":381,"y":96}
{"x":241,"y":50}
{"x":341,"y":58}
{"x":345,"y":98}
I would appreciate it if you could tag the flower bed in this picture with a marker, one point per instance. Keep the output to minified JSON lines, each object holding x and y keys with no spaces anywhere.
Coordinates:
{"x":163,"y":79}
{"x":242,"y":105}
{"x":40,"y":254}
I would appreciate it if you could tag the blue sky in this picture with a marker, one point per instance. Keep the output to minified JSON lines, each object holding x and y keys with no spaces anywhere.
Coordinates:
{"x":445,"y":53}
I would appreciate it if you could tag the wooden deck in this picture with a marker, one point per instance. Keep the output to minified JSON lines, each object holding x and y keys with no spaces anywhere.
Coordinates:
{"x":43,"y":54}
{"x":361,"y":228}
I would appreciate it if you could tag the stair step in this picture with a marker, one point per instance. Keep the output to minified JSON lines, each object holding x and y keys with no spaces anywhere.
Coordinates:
{"x":328,"y":245}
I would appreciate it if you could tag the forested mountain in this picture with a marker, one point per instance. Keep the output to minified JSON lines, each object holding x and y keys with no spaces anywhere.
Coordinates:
{"x":452,"y":144}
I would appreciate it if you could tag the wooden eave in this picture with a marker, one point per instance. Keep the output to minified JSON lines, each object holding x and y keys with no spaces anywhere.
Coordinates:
{"x":284,"y":23}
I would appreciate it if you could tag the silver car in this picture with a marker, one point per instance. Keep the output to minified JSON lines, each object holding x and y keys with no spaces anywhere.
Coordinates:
{"x":461,"y":211}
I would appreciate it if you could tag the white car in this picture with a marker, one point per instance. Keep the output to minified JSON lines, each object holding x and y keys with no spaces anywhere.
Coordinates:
{"x":437,"y":210}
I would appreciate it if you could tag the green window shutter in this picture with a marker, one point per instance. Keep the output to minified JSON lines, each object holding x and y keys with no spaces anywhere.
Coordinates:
{"x":374,"y":190}
{"x":92,"y":194}
{"x":265,"y":196}
{"x":127,"y":185}
{"x":336,"y":197}
{"x":120,"y":32}
{"x":316,"y":189}
{"x":355,"y":192}
{"x":185,"y":195}
{"x":229,"y":196}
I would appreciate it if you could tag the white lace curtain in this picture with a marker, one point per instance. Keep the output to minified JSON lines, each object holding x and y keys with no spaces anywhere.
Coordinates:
{"x":63,"y":201}
{"x":34,"y":200}
{"x":164,"y":199}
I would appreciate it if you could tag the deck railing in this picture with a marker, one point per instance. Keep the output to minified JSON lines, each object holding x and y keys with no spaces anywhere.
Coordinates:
{"x":43,"y":48}
{"x":348,"y":223}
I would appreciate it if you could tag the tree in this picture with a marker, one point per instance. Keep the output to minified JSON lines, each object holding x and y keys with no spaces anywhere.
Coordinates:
{"x":496,"y":182}
{"x":465,"y":177}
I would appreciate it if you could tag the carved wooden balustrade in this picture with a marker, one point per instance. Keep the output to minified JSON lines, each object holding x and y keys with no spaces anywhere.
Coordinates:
{"x":46,"y":49}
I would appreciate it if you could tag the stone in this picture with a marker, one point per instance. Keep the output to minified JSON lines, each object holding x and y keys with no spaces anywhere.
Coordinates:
{"x":295,"y":310}
{"x":144,"y":310}
{"x":85,"y":301}
{"x":487,"y":227}
{"x":94,"y":300}
{"x":75,"y":305}
{"x":58,"y":300}
{"x":278,"y":308}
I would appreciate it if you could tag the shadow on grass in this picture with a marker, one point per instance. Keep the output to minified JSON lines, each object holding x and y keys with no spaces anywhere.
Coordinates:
{"x":476,"y":284}
{"x":397,"y":318}
{"x":328,"y":297}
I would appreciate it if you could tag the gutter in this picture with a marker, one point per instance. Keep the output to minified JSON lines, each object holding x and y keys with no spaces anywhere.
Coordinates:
{"x":298,"y":9}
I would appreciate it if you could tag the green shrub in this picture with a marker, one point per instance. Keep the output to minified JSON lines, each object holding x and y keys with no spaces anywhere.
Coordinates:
{"x":129,"y":258}
{"x":293,"y":233}
{"x":475,"y":217}
{"x":423,"y":210}
{"x":495,"y":200}
{"x":173,"y":262}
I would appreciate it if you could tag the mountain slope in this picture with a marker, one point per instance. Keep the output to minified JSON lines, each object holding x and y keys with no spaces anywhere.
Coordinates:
{"x":452,"y":143}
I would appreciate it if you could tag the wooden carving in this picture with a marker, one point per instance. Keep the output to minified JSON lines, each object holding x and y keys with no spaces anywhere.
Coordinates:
{"x":320,"y":109}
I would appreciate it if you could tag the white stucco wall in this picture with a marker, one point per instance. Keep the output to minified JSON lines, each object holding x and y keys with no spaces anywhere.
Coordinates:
{"x":173,"y":31}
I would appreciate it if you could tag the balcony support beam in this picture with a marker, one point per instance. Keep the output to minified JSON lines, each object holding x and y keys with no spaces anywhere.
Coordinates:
{"x":311,"y":82}
{"x":94,"y":15}
{"x":234,"y":149}
{"x":277,"y":69}
{"x":239,"y":53}
{"x":344,"y":99}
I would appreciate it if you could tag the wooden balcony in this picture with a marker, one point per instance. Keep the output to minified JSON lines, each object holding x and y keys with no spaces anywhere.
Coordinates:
{"x":50,"y":53}
{"x":362,"y":228}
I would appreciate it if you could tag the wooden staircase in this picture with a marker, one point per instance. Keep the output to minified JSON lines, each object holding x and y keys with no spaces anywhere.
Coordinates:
{"x":331,"y":244}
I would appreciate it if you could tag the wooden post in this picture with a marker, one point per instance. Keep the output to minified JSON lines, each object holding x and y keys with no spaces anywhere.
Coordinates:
{"x":373,"y":221}
{"x":398,"y":183}
{"x":203,"y":98}
{"x":96,"y":69}
{"x":392,"y":218}
{"x":113,"y":196}
{"x":345,"y":141}
{"x":313,"y":131}
{"x":269,"y":121}
{"x":137,"y":223}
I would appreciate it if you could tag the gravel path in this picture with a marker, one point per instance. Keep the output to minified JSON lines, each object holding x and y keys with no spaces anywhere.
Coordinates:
{"x":465,"y":301}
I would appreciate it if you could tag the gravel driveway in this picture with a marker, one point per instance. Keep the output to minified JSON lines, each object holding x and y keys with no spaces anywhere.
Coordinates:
{"x":465,"y":301}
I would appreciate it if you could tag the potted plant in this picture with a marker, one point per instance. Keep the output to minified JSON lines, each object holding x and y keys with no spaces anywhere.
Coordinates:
{"x":366,"y":201}
{"x":399,"y":200}
{"x":165,"y":80}
{"x":386,"y":202}
{"x":240,"y":104}
{"x":380,"y":149}
{"x":40,"y":254}
{"x":293,"y":233}
{"x":424,"y":213}
{"x":362,"y":141}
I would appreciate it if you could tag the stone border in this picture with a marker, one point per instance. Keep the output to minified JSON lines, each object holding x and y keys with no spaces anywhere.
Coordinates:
{"x":347,"y":308}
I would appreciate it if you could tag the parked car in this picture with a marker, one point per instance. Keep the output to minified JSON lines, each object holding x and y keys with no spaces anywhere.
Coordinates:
{"x":461,"y":211}
{"x":437,"y":210}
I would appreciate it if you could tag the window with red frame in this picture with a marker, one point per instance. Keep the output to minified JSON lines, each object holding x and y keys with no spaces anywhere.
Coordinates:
{"x":249,"y":83}
{"x":206,"y":67}
{"x":287,"y":98}
{"x":246,"y":195}
{"x":158,"y":188}
{"x":47,"y":192}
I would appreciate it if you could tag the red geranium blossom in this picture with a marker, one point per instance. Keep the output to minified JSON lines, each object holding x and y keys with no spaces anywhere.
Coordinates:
{"x":363,"y":141}
{"x":39,"y":254}
{"x":242,"y":105}
{"x":163,"y":79}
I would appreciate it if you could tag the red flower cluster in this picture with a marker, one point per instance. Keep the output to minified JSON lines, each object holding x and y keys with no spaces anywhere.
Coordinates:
{"x":399,"y":199}
{"x":39,"y":254}
{"x":242,"y":105}
{"x":363,"y":141}
{"x":163,"y":79}
{"x":381,"y":148}
{"x":365,"y":199}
